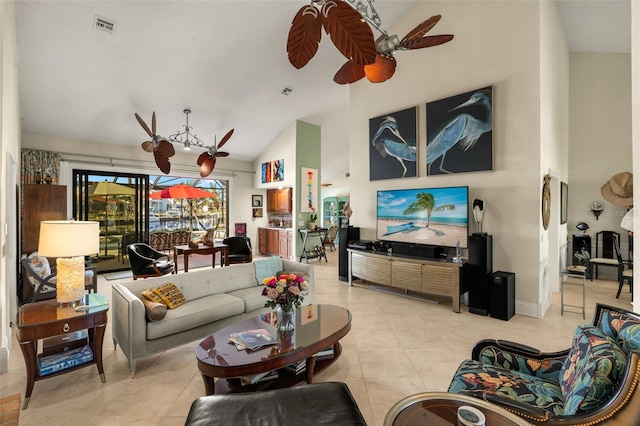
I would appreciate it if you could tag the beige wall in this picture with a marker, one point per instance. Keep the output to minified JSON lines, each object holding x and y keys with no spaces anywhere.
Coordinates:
{"x":9,"y":178}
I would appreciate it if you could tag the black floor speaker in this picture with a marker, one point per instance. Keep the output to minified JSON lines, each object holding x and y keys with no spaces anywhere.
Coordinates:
{"x":479,"y":269}
{"x":503,"y":295}
{"x":344,"y":236}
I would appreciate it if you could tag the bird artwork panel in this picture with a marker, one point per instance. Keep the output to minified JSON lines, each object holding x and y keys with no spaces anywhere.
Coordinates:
{"x":392,"y":145}
{"x":460,"y":133}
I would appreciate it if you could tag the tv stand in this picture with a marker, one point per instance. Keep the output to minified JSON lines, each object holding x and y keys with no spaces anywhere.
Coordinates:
{"x":438,"y":277}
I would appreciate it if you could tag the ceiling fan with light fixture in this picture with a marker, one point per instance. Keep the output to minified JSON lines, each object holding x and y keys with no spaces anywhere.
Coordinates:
{"x":162,"y":147}
{"x":347,"y":23}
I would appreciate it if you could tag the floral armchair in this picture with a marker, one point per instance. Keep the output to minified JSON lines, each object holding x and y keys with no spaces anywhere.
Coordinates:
{"x":592,"y":382}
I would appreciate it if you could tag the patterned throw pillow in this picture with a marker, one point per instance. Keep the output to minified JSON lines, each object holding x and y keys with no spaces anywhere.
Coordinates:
{"x":40,"y":266}
{"x":151,"y":296}
{"x":629,"y":336}
{"x":170,"y":295}
{"x":590,"y":371}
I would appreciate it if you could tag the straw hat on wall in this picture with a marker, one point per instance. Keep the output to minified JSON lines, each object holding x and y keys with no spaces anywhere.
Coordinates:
{"x":619,"y":189}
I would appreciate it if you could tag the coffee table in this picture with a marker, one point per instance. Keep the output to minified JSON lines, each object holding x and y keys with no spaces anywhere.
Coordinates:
{"x":441,"y":409}
{"x":317,"y":327}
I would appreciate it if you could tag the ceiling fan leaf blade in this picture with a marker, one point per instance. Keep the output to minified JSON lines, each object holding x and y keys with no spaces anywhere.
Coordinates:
{"x":202,"y":157}
{"x":382,"y":70}
{"x":148,"y":146}
{"x":221,"y":154}
{"x":422,"y":28}
{"x":144,"y":125}
{"x":153,"y":123}
{"x":162,"y":162}
{"x":349,"y":73}
{"x":428,"y":41}
{"x":207,"y":167}
{"x":349,"y":33}
{"x":226,"y":137}
{"x":165,"y":148}
{"x":304,"y":36}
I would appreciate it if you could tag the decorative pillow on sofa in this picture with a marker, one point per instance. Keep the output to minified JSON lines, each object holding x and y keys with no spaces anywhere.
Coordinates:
{"x":267,"y":267}
{"x":151,"y":296}
{"x":590,"y":371}
{"x":170,"y":295}
{"x":155,"y":311}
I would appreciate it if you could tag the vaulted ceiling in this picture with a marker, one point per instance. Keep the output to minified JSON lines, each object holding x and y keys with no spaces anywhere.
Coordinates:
{"x":225,"y":60}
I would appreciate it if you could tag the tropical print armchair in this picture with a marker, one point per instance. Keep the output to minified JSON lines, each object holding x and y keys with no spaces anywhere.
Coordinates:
{"x":592,"y":382}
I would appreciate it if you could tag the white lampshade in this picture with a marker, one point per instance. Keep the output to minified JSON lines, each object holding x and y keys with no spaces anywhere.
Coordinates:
{"x":68,"y":238}
{"x":69,"y":241}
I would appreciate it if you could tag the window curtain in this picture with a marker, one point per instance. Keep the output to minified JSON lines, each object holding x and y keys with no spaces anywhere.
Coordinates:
{"x":39,"y":166}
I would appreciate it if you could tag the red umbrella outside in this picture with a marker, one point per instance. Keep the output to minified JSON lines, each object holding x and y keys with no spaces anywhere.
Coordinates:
{"x":183,"y":191}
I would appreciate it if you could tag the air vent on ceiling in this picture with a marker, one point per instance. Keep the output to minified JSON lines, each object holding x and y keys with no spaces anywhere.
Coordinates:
{"x":286,"y":91}
{"x":105,"y":25}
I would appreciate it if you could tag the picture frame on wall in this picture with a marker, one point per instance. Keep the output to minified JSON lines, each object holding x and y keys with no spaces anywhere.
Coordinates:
{"x":460,"y":133}
{"x":277,"y":168}
{"x":240,"y":229}
{"x":564,"y":202}
{"x":257,"y":212}
{"x":256,"y":200}
{"x":393,"y":145}
{"x":266,"y":172}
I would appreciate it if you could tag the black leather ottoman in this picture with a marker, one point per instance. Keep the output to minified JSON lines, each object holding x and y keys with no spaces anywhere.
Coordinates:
{"x":329,"y":403}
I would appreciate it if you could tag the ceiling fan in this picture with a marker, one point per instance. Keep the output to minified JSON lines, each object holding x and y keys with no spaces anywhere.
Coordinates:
{"x":162,"y":147}
{"x":346,"y":23}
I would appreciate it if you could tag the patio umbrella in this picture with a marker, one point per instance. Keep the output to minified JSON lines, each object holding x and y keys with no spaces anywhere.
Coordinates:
{"x":106,"y":189}
{"x":183,"y":192}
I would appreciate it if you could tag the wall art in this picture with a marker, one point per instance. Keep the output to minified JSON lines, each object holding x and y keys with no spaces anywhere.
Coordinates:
{"x":308,"y":190}
{"x":392,"y":145}
{"x":460,"y":133}
{"x":266,"y":172}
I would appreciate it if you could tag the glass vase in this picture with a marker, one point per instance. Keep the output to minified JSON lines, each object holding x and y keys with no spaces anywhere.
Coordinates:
{"x":285,"y":318}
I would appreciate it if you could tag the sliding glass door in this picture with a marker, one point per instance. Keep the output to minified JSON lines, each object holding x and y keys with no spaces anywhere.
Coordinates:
{"x":120,"y":203}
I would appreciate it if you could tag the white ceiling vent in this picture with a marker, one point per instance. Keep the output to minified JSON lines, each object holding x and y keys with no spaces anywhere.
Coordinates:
{"x":105,"y":25}
{"x":286,"y":91}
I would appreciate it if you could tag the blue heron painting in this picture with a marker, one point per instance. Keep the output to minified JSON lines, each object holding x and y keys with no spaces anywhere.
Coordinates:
{"x":459,"y":133}
{"x":392,"y":153}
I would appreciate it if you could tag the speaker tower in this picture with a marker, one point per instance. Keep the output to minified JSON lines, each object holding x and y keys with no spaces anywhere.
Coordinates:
{"x":479,"y":270}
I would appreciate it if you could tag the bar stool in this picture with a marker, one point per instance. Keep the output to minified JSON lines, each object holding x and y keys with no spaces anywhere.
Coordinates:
{"x":578,"y":272}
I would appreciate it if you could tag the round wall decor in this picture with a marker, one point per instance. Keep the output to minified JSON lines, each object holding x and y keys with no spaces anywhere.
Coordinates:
{"x":546,"y":201}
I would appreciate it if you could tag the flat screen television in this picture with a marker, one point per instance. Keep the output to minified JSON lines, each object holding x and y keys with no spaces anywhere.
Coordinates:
{"x":430,"y":216}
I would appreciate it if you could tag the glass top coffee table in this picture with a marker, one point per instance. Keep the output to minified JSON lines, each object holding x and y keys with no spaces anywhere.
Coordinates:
{"x":317,"y":327}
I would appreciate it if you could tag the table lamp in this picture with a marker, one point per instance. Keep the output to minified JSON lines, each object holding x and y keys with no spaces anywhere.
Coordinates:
{"x":69,"y":241}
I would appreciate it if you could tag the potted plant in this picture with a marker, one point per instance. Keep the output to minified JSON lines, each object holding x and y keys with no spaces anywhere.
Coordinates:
{"x":313,"y":217}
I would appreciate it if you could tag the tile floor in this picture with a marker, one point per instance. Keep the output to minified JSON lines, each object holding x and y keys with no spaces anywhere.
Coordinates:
{"x":397,"y":347}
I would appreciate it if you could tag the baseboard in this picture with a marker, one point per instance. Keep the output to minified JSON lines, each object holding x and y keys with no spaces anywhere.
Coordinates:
{"x":529,"y":309}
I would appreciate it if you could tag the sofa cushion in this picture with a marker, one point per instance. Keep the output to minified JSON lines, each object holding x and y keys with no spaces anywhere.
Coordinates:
{"x":170,"y":295}
{"x":195,"y":313}
{"x":267,"y":267}
{"x":589,"y":373}
{"x":207,"y":281}
{"x":476,"y":379}
{"x":252,"y":297}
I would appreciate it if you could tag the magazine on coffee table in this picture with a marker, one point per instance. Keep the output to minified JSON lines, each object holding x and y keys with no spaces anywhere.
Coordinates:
{"x":252,"y":339}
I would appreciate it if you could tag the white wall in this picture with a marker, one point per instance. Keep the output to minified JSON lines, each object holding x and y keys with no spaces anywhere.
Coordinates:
{"x":9,"y":178}
{"x":496,"y":43}
{"x":600,"y":134}
{"x":635,"y":86}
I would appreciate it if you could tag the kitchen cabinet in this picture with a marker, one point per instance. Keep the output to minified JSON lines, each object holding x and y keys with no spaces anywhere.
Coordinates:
{"x":279,"y":200}
{"x":262,"y":241}
{"x":285,"y":238}
{"x":275,"y":242}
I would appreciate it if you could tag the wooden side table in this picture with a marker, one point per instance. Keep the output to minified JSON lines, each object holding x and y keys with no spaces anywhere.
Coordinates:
{"x":48,"y":319}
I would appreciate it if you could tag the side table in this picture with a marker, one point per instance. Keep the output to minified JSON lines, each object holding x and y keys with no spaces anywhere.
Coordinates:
{"x":48,"y":319}
{"x":441,"y":408}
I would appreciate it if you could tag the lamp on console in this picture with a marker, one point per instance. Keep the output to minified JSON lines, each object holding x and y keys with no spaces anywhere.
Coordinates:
{"x":69,"y":241}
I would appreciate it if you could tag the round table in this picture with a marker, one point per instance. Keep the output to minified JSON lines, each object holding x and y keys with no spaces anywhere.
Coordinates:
{"x":441,"y":408}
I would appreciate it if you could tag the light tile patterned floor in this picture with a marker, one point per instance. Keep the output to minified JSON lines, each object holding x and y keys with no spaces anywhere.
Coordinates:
{"x":428,"y":343}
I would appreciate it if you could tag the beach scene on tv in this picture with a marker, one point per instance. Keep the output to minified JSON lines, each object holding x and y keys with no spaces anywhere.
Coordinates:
{"x":436,"y":216}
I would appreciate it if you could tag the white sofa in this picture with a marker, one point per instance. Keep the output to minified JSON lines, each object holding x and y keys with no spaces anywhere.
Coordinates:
{"x":216,"y":298}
